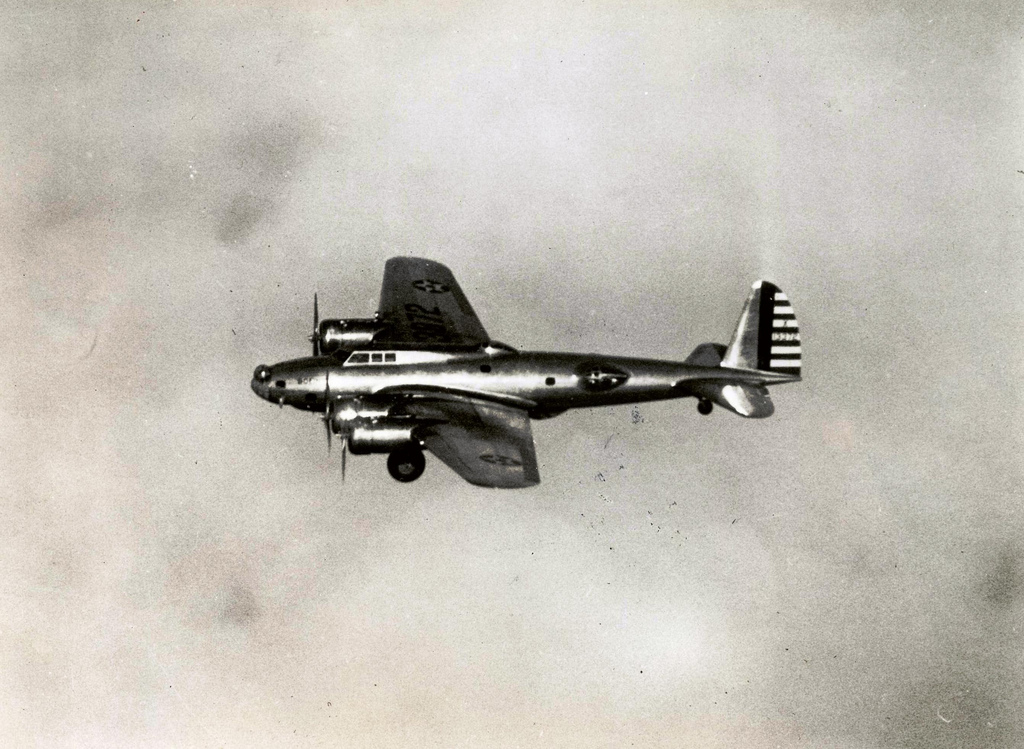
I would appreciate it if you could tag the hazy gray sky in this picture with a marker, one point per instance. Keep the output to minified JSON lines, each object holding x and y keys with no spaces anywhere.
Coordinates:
{"x":180,"y":564}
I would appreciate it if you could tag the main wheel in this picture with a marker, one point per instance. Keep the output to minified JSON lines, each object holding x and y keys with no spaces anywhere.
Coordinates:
{"x":406,"y":464}
{"x":704,"y":406}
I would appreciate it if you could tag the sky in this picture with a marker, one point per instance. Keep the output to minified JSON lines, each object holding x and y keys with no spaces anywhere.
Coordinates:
{"x":180,"y":562}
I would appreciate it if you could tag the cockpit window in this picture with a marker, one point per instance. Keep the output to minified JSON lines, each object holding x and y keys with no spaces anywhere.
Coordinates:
{"x":279,"y":383}
{"x":366,"y":357}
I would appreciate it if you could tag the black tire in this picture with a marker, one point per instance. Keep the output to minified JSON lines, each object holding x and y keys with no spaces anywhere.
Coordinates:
{"x":705,"y":406}
{"x":406,"y":464}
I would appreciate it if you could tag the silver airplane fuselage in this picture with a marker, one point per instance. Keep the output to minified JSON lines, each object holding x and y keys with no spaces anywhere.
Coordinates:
{"x":542,"y":383}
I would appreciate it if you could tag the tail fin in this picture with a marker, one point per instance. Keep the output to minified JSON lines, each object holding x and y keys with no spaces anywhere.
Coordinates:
{"x":766,"y":340}
{"x":767,"y":337}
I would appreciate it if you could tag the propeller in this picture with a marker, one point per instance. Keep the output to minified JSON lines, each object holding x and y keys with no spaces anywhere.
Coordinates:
{"x":328,"y":418}
{"x":315,"y":338}
{"x":328,"y":403}
{"x":328,"y":414}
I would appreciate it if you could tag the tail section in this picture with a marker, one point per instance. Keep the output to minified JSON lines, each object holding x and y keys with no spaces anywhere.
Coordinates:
{"x":765,"y":350}
{"x":767,"y":337}
{"x":747,"y":400}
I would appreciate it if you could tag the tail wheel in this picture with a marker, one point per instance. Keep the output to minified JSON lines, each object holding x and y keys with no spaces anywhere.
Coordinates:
{"x":704,"y":406}
{"x":406,"y":464}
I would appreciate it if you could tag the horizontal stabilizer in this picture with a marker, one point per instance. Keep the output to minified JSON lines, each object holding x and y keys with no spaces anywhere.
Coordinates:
{"x":706,"y":355}
{"x":749,"y":401}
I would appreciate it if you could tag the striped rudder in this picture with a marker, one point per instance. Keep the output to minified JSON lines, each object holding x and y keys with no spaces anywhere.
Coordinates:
{"x":767,"y":337}
{"x":778,"y":349}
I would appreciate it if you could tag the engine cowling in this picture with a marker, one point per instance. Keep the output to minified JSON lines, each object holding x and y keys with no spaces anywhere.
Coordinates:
{"x":380,"y":437}
{"x":369,"y":427}
{"x":347,"y":414}
{"x":347,"y":334}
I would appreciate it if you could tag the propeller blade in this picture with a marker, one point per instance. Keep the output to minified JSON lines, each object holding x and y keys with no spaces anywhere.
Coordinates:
{"x":315,"y":338}
{"x":328,"y":416}
{"x":344,"y":454}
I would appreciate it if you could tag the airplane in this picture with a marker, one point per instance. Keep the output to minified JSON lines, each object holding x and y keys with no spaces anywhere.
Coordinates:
{"x":424,"y":374}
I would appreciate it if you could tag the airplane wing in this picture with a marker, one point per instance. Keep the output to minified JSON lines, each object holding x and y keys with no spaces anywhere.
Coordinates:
{"x":488,"y":444}
{"x":421,"y":302}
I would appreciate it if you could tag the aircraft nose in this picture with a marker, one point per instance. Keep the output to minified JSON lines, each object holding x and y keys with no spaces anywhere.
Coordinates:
{"x":261,"y":380}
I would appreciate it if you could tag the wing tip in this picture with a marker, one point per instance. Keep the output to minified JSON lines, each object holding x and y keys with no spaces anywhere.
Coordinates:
{"x":406,"y":258}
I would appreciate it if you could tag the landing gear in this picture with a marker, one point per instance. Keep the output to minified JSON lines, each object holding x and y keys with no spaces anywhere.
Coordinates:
{"x":406,"y":463}
{"x":704,"y":406}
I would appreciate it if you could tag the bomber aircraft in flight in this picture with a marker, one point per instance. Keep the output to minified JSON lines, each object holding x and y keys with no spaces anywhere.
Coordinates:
{"x":424,"y":374}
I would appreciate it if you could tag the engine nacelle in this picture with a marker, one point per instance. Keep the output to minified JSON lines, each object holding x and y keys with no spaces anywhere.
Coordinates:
{"x":368,"y":425}
{"x":351,"y":412}
{"x":380,"y":437}
{"x":347,"y":334}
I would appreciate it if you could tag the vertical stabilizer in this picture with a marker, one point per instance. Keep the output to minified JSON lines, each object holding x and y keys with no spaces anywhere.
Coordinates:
{"x":767,"y":337}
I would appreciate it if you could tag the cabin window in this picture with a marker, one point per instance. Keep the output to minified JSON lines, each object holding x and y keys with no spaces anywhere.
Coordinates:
{"x":279,"y":383}
{"x":377,"y":358}
{"x":549,"y":381}
{"x":485,"y":367}
{"x":358,"y":359}
{"x":389,"y":357}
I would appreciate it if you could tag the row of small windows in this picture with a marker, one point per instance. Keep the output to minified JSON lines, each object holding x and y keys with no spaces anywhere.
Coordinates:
{"x":363,"y":358}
